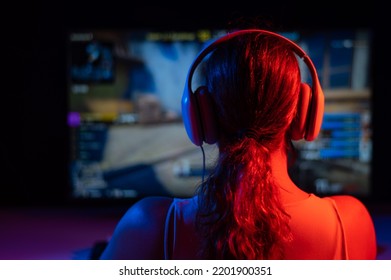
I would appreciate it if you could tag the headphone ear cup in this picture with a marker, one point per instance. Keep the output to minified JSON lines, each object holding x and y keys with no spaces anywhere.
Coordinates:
{"x":191,"y":117}
{"x":315,"y":115}
{"x":207,"y":115}
{"x":299,"y":124}
{"x":199,"y":117}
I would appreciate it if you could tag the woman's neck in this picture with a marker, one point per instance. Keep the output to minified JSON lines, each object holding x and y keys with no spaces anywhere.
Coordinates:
{"x":289,"y":190}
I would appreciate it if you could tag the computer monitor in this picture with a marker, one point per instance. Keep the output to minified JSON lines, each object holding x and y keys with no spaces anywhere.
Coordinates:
{"x":127,"y":139}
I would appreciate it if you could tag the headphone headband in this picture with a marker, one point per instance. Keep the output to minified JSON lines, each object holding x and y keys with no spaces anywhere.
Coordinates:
{"x":212,"y":46}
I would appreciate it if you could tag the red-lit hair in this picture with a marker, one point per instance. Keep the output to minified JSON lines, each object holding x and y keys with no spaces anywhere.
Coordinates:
{"x":254,"y":81}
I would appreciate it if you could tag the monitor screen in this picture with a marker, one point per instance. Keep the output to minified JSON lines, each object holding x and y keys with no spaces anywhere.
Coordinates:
{"x":127,"y":139}
{"x":339,"y":161}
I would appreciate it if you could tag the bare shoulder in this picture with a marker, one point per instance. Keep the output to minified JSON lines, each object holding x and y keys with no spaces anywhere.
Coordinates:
{"x":139,"y":234}
{"x":359,"y":227}
{"x":146,"y":210}
{"x":349,"y":203}
{"x":352,"y":208}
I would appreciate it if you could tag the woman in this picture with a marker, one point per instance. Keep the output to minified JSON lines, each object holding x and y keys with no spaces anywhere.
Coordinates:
{"x":253,"y":105}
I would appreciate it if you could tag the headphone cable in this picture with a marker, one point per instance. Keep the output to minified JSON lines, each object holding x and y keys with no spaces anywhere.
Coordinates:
{"x":203,"y":164}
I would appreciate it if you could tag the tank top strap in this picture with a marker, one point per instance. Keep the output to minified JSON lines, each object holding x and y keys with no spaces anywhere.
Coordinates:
{"x":344,"y":245}
{"x":169,"y":231}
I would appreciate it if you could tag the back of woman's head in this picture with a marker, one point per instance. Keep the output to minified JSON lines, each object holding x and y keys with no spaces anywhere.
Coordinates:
{"x":254,"y":80}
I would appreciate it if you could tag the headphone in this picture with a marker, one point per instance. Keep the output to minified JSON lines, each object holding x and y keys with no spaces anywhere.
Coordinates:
{"x":197,"y":107}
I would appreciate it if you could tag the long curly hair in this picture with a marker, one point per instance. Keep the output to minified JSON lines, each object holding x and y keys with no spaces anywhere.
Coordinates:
{"x":254,"y":81}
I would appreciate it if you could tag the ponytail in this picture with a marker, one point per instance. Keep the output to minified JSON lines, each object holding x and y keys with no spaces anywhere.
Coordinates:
{"x":240,"y":215}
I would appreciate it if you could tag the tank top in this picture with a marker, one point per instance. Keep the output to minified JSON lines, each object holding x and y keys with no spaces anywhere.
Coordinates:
{"x":317,"y":229}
